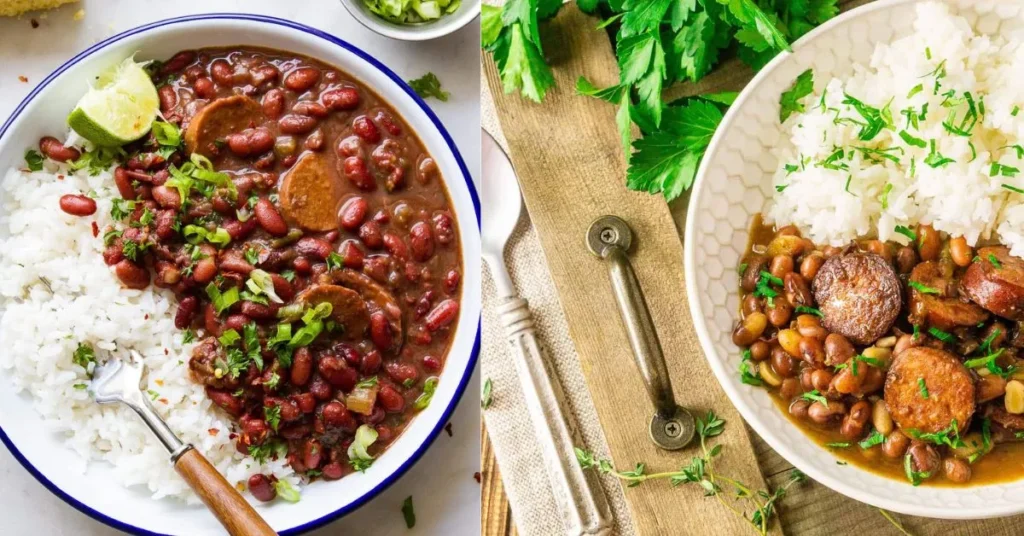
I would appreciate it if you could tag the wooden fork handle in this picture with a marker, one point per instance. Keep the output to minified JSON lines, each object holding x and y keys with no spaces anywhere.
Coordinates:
{"x":233,"y":511}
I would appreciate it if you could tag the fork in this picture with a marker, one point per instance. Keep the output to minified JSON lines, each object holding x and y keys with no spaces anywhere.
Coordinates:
{"x":118,"y":381}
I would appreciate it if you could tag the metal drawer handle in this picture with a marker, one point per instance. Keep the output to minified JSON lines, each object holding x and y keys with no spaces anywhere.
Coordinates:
{"x":672,"y":426}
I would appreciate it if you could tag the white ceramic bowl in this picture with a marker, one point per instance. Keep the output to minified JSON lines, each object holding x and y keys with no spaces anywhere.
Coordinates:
{"x":445,"y":25}
{"x":734,"y":182}
{"x":95,"y":492}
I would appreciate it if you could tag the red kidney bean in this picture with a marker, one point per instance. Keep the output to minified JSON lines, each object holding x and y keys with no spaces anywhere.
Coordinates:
{"x":250,"y":142}
{"x":168,"y":98}
{"x":124,"y":183}
{"x":371,"y":235}
{"x":178,"y":62}
{"x":165,"y":224}
{"x":234,"y":263}
{"x":354,"y":168}
{"x":222,"y":73}
{"x":371,"y":363}
{"x":236,"y":322}
{"x":401,"y":373}
{"x":187,"y":308}
{"x":350,"y":146}
{"x":353,"y":212}
{"x":388,"y":123}
{"x":431,"y":363}
{"x":167,"y":197}
{"x":345,"y":98}
{"x":210,"y":321}
{"x":302,"y":366}
{"x":301,"y":265}
{"x":269,"y":218}
{"x":132,"y":275}
{"x":310,"y":108}
{"x":225,"y":401}
{"x":337,"y":373}
{"x":425,"y":302}
{"x":320,"y":389}
{"x":333,"y":471}
{"x":305,"y":401}
{"x":167,"y":274}
{"x":55,"y":150}
{"x":266,"y":73}
{"x":258,"y":310}
{"x":315,"y":140}
{"x":380,"y":331}
{"x":442,"y":315}
{"x":273,"y":103}
{"x":351,"y":355}
{"x":444,"y":229}
{"x":296,"y":124}
{"x":283,"y":288}
{"x":205,"y":270}
{"x":316,"y":248}
{"x":396,"y":246}
{"x":336,"y":414}
{"x":261,"y":488}
{"x":451,"y":281}
{"x":390,"y":399}
{"x":421,"y":241}
{"x":301,"y":79}
{"x":256,"y":429}
{"x":194,"y":72}
{"x":331,"y":236}
{"x":77,"y":205}
{"x":204,"y":88}
{"x":239,"y":229}
{"x":365,"y":129}
{"x":312,"y":453}
{"x":351,"y":255}
{"x":426,"y":171}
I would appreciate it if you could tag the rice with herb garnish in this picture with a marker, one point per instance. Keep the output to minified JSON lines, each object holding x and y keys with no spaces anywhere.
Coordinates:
{"x":927,"y":133}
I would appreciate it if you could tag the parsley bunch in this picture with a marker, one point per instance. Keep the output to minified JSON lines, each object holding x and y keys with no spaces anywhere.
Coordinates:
{"x":658,"y":43}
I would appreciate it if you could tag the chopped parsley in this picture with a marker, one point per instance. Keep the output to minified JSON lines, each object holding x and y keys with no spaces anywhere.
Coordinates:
{"x":408,"y":513}
{"x":1000,"y":170}
{"x":915,"y":477}
{"x":335,"y":262}
{"x":995,"y":262}
{"x":815,"y":396}
{"x":905,"y":231}
{"x":33,"y":160}
{"x":941,"y":335}
{"x":83,"y":355}
{"x":876,"y":438}
{"x":912,"y":140}
{"x":838,"y":445}
{"x":884,"y":198}
{"x":922,"y":388}
{"x":809,"y":310}
{"x":789,"y":103}
{"x":748,"y":370}
{"x":936,"y":159}
{"x":764,"y":289}
{"x":486,"y":398}
{"x":949,"y":436}
{"x":852,"y":364}
{"x":920,"y":287}
{"x":1013,"y":189}
{"x":273,"y":416}
{"x":428,"y":85}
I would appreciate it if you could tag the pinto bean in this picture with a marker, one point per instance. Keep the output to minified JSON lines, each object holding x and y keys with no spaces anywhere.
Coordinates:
{"x":810,"y":265}
{"x":781,"y":265}
{"x":269,"y":218}
{"x":855,"y":421}
{"x":55,"y":150}
{"x":929,"y":244}
{"x":825,"y":413}
{"x":77,"y":205}
{"x":895,"y":444}
{"x":797,"y":290}
{"x":780,"y":314}
{"x":956,"y":470}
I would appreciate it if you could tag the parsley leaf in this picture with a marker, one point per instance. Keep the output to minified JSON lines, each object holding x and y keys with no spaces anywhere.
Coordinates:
{"x":429,"y":86}
{"x":790,"y":103}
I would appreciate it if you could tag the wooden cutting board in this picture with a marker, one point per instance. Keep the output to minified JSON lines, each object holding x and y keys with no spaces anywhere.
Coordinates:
{"x":572,"y":170}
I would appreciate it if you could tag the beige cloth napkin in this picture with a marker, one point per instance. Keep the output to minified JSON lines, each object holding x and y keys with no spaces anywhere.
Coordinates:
{"x":508,"y":422}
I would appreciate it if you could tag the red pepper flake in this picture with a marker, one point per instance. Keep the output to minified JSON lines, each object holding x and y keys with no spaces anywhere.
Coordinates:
{"x":95,"y":230}
{"x":146,"y":317}
{"x":232,"y":436}
{"x":23,"y":79}
{"x":476,"y":476}
{"x":213,"y":431}
{"x":448,"y":428}
{"x":166,"y":352}
{"x":60,"y":177}
{"x":163,"y":401}
{"x":34,"y":23}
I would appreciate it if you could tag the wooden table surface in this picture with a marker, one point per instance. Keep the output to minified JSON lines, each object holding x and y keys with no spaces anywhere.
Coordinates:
{"x":810,"y":508}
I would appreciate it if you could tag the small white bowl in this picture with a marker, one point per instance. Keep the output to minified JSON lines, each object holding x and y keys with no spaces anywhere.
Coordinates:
{"x":96,"y":492}
{"x":423,"y":31}
{"x":734,"y":183}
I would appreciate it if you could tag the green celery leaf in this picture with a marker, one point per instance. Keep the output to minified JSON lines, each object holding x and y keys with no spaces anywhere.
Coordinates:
{"x":642,"y":16}
{"x":649,"y":87}
{"x":490,"y":25}
{"x":623,"y":119}
{"x":694,"y":52}
{"x":634,"y":55}
{"x":548,"y":8}
{"x":521,"y":65}
{"x":679,"y":11}
{"x":612,"y":94}
{"x":822,"y":10}
{"x":751,"y":16}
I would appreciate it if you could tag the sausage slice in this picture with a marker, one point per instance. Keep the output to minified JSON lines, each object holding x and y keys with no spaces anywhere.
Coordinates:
{"x":998,"y":286}
{"x":310,"y":194}
{"x":948,"y":383}
{"x":939,"y":310}
{"x":347,"y":307}
{"x":859,"y":295}
{"x":221,"y":117}
{"x":203,"y":366}
{"x":377,"y":297}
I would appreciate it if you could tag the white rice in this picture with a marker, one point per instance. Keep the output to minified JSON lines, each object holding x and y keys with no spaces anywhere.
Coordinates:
{"x":960,"y":198}
{"x":40,"y":330}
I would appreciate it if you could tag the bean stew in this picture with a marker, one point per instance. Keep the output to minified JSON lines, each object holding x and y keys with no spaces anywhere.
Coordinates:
{"x":904,"y":360}
{"x":311,"y":244}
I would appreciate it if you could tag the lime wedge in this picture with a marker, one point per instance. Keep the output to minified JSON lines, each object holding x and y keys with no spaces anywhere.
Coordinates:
{"x":119,"y":109}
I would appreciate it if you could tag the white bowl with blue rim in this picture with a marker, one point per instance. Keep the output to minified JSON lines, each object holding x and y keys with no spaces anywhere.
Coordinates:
{"x":96,"y":492}
{"x":734,"y":182}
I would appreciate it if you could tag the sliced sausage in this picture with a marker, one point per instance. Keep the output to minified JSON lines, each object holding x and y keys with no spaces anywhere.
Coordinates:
{"x":310,"y":194}
{"x":203,"y":367}
{"x":999,"y":286}
{"x":377,"y":298}
{"x":859,"y":295}
{"x":220,"y":118}
{"x":347,"y":307}
{"x":939,"y":310}
{"x":948,"y":383}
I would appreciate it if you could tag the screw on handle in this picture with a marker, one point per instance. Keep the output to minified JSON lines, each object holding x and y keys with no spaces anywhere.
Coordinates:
{"x":610,"y":238}
{"x":231,"y":509}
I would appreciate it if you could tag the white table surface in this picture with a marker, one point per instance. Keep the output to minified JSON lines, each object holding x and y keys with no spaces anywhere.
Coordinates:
{"x":445,"y":494}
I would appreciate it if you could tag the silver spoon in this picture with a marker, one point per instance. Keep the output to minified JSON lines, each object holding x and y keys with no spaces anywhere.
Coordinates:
{"x":117,"y":381}
{"x":581,"y":503}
